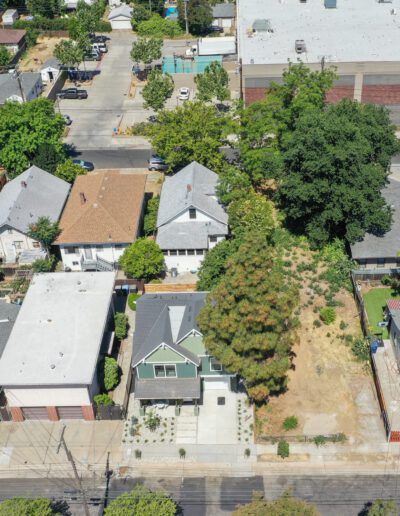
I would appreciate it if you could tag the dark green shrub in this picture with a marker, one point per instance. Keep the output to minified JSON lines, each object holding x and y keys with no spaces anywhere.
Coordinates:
{"x":360,"y":349}
{"x":182,"y":453}
{"x":283,"y":449}
{"x":317,"y":323}
{"x":290,"y":423}
{"x":111,"y":373}
{"x":319,"y":440}
{"x":152,"y":421}
{"x":121,"y":325}
{"x":44,"y":265}
{"x":103,"y":399}
{"x":327,"y":315}
{"x":103,"y":26}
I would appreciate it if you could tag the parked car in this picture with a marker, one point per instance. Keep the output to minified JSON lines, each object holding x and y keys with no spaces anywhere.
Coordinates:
{"x":67,"y":119}
{"x":215,"y":28}
{"x":157,"y":163}
{"x":94,"y":55}
{"x":100,"y":47}
{"x":98,"y":39}
{"x":87,"y":165}
{"x":73,"y":93}
{"x":184,"y":94}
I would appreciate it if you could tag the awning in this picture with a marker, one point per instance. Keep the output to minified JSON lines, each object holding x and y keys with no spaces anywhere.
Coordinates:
{"x":167,"y":388}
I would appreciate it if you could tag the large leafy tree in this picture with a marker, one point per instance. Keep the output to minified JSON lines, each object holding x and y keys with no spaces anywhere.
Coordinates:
{"x":250,"y":214}
{"x":233,"y":183}
{"x":286,"y":505}
{"x":48,"y":157}
{"x":69,"y":171}
{"x":212,"y":83}
{"x":142,"y":502}
{"x":248,"y":322}
{"x":158,"y":90}
{"x":191,"y":132}
{"x":213,"y":266}
{"x":336,"y":163}
{"x":155,"y":6}
{"x":199,"y":15}
{"x":23,"y":128}
{"x":26,"y":507}
{"x":383,"y":508}
{"x":5,"y":56}
{"x":69,"y":53}
{"x":143,"y":259}
{"x":44,"y":231}
{"x":146,"y":50}
{"x":45,"y":8}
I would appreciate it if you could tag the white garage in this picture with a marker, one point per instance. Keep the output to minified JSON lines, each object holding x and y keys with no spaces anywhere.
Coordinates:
{"x":120,"y":17}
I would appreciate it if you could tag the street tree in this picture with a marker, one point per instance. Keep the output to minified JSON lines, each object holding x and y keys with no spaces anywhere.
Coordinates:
{"x":383,"y":508}
{"x":191,"y":132}
{"x":5,"y":56}
{"x":252,"y":213}
{"x":213,"y":83}
{"x":26,"y":507}
{"x":336,"y":164}
{"x":154,"y":6}
{"x":68,"y":53}
{"x":248,"y":322}
{"x":141,"y":501}
{"x":213,"y":266}
{"x":23,"y":128}
{"x":44,"y":231}
{"x":286,"y":505}
{"x":87,"y":16}
{"x":69,"y":171}
{"x":143,"y":259}
{"x":45,"y":8}
{"x":146,"y":50}
{"x":199,"y":15}
{"x":158,"y":90}
{"x":48,"y":157}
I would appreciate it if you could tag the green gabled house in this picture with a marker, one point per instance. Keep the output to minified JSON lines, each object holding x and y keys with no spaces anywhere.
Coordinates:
{"x":169,"y":360}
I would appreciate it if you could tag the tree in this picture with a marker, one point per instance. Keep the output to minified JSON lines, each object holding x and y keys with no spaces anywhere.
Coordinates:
{"x":5,"y":56}
{"x":68,"y":53}
{"x":383,"y":508}
{"x":142,"y":502}
{"x":286,"y":505}
{"x":23,"y":128}
{"x":336,"y":163}
{"x":121,"y":325}
{"x":140,"y":13}
{"x":191,"y":132}
{"x":150,"y":219}
{"x":248,"y":322}
{"x":250,"y":214}
{"x":233,"y":183}
{"x":199,"y":15}
{"x":155,"y":6}
{"x":45,"y":8}
{"x":158,"y":90}
{"x":146,"y":50}
{"x":111,"y":373}
{"x":26,"y":507}
{"x":213,"y":266}
{"x":69,"y":171}
{"x":44,"y":231}
{"x":213,"y":82}
{"x":142,"y":259}
{"x":103,"y":400}
{"x":44,"y":265}
{"x":48,"y":157}
{"x":159,"y":27}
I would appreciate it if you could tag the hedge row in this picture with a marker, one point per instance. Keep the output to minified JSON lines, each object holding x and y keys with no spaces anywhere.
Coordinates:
{"x":46,"y":24}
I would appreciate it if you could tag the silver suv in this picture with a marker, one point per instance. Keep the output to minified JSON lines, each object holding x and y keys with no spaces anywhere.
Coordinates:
{"x":157,"y":163}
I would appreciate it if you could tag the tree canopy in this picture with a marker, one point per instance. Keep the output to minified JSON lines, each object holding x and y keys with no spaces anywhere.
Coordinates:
{"x":68,"y":53}
{"x":150,"y":219}
{"x":26,"y":507}
{"x":158,"y":90}
{"x":142,"y":502}
{"x":142,"y":259}
{"x":213,"y":266}
{"x":44,"y":231}
{"x":45,"y":8}
{"x":199,"y":15}
{"x":48,"y":157}
{"x":286,"y":505}
{"x":213,"y":83}
{"x":248,"y":322}
{"x":69,"y":171}
{"x":146,"y":50}
{"x":251,"y":213}
{"x":383,"y":508}
{"x":5,"y":56}
{"x":336,"y":162}
{"x":191,"y":132}
{"x":23,"y":128}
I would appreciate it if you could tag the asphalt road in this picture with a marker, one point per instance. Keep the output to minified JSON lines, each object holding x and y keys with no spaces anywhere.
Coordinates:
{"x":215,"y":496}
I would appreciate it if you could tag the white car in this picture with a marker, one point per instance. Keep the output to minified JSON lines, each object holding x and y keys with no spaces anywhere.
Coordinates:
{"x":184,"y":94}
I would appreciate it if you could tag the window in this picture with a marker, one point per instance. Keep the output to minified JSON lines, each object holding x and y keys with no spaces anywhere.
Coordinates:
{"x":362,"y":263}
{"x":99,"y":247}
{"x":36,"y":244}
{"x":75,"y":263}
{"x":71,"y":250}
{"x":215,"y":365}
{"x":165,"y":371}
{"x":172,"y":252}
{"x":18,"y":244}
{"x":192,"y":213}
{"x":190,"y":252}
{"x":380,"y":262}
{"x":182,"y":252}
{"x":9,"y":231}
{"x":118,"y":246}
{"x":165,"y":252}
{"x":199,"y":252}
{"x":213,"y":238}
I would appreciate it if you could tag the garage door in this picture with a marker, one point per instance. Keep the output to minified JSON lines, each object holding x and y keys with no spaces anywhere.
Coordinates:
{"x":35,"y":413}
{"x":69,"y":412}
{"x":216,"y":383}
{"x":121,"y":24}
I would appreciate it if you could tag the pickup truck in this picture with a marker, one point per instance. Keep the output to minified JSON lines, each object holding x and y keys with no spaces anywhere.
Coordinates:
{"x":73,"y":93}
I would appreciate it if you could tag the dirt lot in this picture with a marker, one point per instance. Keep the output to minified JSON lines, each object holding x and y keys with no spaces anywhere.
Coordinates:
{"x":328,"y":390}
{"x":39,"y":54}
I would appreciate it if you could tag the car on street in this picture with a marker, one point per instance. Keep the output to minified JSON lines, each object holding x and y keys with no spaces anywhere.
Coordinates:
{"x":157,"y":163}
{"x":184,"y":93}
{"x":98,"y":39}
{"x":67,"y":119}
{"x":87,"y":165}
{"x":215,"y":28}
{"x":73,"y":93}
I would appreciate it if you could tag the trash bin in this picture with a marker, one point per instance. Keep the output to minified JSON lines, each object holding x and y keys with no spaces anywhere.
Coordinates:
{"x":174,"y":272}
{"x":374,"y":346}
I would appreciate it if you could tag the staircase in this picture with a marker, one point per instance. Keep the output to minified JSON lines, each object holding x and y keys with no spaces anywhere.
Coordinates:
{"x":98,"y":264}
{"x":186,"y":429}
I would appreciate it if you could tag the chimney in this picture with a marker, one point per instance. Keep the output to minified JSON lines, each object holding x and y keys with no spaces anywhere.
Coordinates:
{"x":23,"y":184}
{"x":82,"y":197}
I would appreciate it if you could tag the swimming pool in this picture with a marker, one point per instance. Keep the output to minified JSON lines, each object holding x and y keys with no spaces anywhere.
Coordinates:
{"x":170,"y":10}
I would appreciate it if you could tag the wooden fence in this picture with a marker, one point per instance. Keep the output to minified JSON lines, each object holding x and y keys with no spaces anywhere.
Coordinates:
{"x":170,"y":287}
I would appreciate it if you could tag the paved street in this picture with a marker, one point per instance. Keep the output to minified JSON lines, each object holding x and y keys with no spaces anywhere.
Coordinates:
{"x":116,"y":158}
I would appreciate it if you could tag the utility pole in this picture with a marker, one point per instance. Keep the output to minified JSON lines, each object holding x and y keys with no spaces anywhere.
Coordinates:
{"x":108,"y":475}
{"x":77,"y":478}
{"x":186,"y":18}
{"x":16,"y":75}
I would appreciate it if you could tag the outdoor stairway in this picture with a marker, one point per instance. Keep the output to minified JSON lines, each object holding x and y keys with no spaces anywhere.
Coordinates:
{"x":186,"y":429}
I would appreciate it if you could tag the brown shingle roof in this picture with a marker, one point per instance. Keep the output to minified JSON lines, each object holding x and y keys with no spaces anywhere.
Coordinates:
{"x":11,"y":36}
{"x":103,"y":207}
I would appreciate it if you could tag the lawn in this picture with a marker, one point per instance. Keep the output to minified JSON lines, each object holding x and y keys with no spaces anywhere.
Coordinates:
{"x":132,"y":301}
{"x":375,"y":302}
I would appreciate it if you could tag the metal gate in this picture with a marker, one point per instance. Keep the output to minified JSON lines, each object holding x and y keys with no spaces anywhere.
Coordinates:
{"x":35,"y":413}
{"x":70,"y":412}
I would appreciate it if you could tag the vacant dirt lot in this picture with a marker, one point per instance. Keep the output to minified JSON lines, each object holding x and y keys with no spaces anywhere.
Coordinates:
{"x":328,"y":390}
{"x":39,"y":54}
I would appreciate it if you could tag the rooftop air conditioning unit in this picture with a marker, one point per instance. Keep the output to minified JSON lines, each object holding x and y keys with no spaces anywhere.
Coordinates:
{"x":300,"y":46}
{"x":330,"y":4}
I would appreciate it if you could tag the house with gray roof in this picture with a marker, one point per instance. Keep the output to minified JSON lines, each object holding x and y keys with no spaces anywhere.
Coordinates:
{"x":190,"y":219}
{"x":224,"y":15}
{"x":382,"y":252}
{"x":10,"y":90}
{"x":8,"y":316}
{"x":33,"y":194}
{"x":169,"y":359}
{"x":120,"y":17}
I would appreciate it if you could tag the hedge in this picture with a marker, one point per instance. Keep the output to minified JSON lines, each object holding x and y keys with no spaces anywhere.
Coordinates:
{"x":56,"y":24}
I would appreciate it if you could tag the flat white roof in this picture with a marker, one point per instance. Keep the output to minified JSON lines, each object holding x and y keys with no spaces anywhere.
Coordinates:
{"x":58,"y":332}
{"x":356,"y":30}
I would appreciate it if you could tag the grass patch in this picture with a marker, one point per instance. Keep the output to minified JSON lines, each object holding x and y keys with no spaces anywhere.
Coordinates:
{"x":375,"y":303}
{"x":132,"y":301}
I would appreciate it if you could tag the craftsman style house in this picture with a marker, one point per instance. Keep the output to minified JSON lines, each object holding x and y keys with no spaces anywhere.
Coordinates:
{"x":169,"y":360}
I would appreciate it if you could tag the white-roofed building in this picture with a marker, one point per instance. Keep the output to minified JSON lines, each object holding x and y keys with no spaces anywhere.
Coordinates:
{"x":48,"y":368}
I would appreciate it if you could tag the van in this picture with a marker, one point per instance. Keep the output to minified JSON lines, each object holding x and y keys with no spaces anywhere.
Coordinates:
{"x":100,"y":47}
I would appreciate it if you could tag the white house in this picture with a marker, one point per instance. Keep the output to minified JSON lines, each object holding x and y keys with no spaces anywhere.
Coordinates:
{"x":120,"y":17}
{"x":48,"y":368}
{"x":50,"y":70}
{"x":102,"y":218}
{"x":33,"y":194}
{"x":28,"y":88}
{"x":190,"y":219}
{"x":14,"y":40}
{"x":9,"y":17}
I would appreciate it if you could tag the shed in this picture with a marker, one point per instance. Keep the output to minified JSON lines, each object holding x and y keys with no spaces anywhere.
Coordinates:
{"x":223,"y":15}
{"x":9,"y":17}
{"x":50,"y":70}
{"x":120,"y":17}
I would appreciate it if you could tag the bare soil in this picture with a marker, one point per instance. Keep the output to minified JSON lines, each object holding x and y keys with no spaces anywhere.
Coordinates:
{"x":39,"y":54}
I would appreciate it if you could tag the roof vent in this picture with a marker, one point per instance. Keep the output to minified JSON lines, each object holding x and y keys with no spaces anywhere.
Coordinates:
{"x":52,"y":366}
{"x":330,"y":4}
{"x":300,"y":46}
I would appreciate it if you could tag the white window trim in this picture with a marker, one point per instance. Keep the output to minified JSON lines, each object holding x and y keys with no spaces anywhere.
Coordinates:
{"x":165,"y":371}
{"x":212,"y":367}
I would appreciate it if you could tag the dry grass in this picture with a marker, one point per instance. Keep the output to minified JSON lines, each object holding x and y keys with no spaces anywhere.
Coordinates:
{"x":39,"y":54}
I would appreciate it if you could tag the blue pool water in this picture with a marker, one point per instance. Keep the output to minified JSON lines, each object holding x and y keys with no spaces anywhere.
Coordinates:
{"x":170,"y":10}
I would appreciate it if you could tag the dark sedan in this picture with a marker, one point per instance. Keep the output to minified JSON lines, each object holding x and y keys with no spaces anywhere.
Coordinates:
{"x":87,"y":165}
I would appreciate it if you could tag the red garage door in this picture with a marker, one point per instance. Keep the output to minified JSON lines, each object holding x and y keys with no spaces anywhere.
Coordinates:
{"x":70,"y":412}
{"x":35,"y":413}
